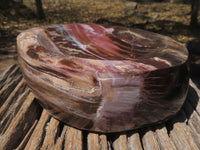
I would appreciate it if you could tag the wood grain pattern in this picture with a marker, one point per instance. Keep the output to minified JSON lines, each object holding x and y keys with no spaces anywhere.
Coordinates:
{"x":25,"y":125}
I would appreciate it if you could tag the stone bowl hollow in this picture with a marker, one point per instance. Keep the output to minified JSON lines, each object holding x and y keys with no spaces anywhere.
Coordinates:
{"x":104,"y":78}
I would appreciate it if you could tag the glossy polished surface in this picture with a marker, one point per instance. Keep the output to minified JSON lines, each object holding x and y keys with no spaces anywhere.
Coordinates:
{"x":104,"y":79}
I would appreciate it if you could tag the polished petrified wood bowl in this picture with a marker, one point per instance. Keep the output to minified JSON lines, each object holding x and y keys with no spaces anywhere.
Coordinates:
{"x":103,"y":78}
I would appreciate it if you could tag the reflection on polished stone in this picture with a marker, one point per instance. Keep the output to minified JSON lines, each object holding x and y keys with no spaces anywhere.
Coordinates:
{"x":103,"y":78}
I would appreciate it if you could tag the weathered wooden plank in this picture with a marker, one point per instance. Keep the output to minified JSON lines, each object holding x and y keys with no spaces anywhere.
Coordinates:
{"x":9,"y":75}
{"x":8,"y":113}
{"x":93,"y":141}
{"x":16,"y":94}
{"x":50,"y":137}
{"x":149,"y":141}
{"x":134,"y":141}
{"x":164,"y":141}
{"x":103,"y":142}
{"x":36,"y":138}
{"x":193,"y":117}
{"x":27,"y":137}
{"x":7,"y":89}
{"x":180,"y":134}
{"x":60,"y":140}
{"x":97,"y":141}
{"x":121,"y":142}
{"x":196,"y":136}
{"x":20,"y":124}
{"x":73,"y":139}
{"x":193,"y":122}
{"x":4,"y":75}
